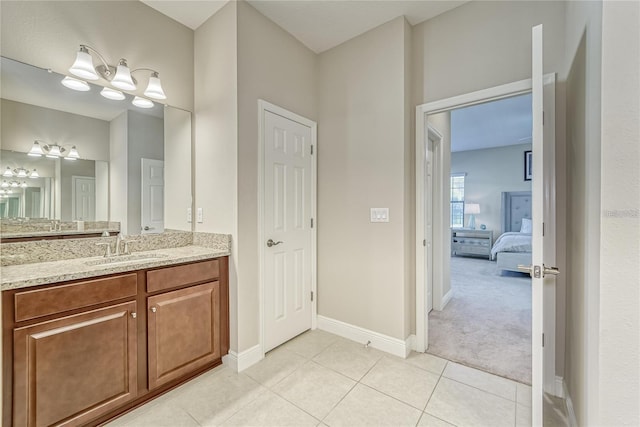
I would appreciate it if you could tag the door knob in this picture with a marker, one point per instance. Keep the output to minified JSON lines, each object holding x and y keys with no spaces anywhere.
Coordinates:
{"x":153,"y":309}
{"x":549,"y":270}
{"x":270,"y":243}
{"x":134,"y":314}
{"x":147,"y":228}
{"x":537,"y":272}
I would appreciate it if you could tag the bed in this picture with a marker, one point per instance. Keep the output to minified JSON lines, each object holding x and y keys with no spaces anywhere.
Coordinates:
{"x":513,"y":247}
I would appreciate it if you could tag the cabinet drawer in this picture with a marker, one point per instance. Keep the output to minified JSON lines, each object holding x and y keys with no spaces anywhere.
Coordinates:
{"x":58,"y":299}
{"x":170,"y":277}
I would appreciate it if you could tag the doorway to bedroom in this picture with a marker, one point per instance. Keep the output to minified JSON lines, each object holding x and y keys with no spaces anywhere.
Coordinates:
{"x":480,"y":308}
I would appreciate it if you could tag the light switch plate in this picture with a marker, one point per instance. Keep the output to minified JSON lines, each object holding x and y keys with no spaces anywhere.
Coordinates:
{"x":199,"y":212}
{"x":379,"y":214}
{"x":189,"y":215}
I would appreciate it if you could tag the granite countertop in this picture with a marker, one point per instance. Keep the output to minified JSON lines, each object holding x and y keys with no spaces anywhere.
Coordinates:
{"x":26,"y":275}
{"x":54,"y":233}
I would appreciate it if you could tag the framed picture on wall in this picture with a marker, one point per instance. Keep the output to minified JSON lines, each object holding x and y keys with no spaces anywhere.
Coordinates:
{"x":528,"y":168}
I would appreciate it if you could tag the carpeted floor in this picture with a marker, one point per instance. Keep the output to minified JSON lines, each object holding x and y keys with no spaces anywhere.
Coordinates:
{"x":487,"y":323}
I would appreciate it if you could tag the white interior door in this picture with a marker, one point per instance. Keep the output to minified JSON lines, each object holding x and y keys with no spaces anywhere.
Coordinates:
{"x":287,"y":229}
{"x":543,"y":239}
{"x":152,"y":220}
{"x":83,"y":200}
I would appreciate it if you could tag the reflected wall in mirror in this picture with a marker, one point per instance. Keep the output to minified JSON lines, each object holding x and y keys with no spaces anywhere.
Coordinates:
{"x":113,"y":138}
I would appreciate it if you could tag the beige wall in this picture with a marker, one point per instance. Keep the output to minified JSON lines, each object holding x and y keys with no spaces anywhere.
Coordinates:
{"x":582,"y":38}
{"x":362,"y":164}
{"x":48,"y":34}
{"x":490,"y":172}
{"x":216,"y":136}
{"x":118,"y":169}
{"x":274,"y":66}
{"x":484,"y":44}
{"x":619,"y":352}
{"x":24,"y":123}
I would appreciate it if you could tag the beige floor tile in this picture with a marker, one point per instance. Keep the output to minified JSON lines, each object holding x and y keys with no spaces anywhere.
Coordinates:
{"x":310,"y":343}
{"x":484,"y":381}
{"x":523,"y":394}
{"x":523,"y":416}
{"x":463,"y":405}
{"x":555,"y":412}
{"x":271,"y":410}
{"x":430,"y":421}
{"x":277,"y":364}
{"x":426,"y":361}
{"x":364,"y":406}
{"x":314,"y":388}
{"x":216,"y":398}
{"x":348,"y":358}
{"x":402,"y":381}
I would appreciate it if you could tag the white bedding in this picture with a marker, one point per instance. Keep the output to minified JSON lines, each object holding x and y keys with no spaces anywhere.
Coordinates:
{"x":512,"y":242}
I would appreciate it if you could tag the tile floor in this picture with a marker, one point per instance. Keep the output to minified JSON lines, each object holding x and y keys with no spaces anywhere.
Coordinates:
{"x":322,"y":379}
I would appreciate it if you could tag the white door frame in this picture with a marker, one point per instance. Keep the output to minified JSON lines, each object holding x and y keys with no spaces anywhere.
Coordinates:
{"x":473,"y":98}
{"x":264,"y":106}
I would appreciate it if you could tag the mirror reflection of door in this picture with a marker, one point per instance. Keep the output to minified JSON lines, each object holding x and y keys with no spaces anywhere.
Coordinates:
{"x":84,"y":198}
{"x":152,"y":196}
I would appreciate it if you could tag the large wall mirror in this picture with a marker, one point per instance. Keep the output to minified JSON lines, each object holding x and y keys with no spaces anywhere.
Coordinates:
{"x":117,"y":162}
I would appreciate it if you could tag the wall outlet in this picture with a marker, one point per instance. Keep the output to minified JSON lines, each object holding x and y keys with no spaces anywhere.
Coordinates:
{"x":199,"y":213}
{"x":379,"y":214}
{"x":189,"y":215}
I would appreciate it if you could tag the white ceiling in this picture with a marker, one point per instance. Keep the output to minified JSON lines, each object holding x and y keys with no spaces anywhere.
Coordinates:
{"x":493,"y":124}
{"x":318,"y":24}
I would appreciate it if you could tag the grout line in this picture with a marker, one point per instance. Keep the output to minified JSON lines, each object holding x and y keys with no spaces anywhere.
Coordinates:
{"x":434,"y":389}
{"x":485,"y":391}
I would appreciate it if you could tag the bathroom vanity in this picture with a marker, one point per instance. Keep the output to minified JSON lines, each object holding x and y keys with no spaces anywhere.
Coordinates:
{"x":82,"y":351}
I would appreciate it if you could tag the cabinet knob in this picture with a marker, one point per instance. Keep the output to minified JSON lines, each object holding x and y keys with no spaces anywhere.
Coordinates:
{"x":153,"y":309}
{"x":134,"y":314}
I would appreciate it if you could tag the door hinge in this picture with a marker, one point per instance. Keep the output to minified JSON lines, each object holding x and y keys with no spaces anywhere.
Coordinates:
{"x":311,"y":222}
{"x":424,"y":243}
{"x":543,"y":339}
{"x":311,"y":296}
{"x":543,"y":229}
{"x":543,"y":118}
{"x":312,"y":150}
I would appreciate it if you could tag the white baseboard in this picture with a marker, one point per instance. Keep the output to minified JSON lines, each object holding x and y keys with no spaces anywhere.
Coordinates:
{"x":241,"y":361}
{"x":445,"y":299}
{"x":573,"y":422}
{"x":410,"y":344}
{"x":395,"y":346}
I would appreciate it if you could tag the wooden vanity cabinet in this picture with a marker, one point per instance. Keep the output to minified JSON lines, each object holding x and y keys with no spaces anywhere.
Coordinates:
{"x":82,"y":353}
{"x":73,"y":369}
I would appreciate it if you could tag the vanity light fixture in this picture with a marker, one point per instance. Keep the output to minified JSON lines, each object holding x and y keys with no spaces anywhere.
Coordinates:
{"x":34,"y":174}
{"x":75,"y":84}
{"x":8,"y":172}
{"x":17,"y":173}
{"x":120,"y":76}
{"x":53,"y":151}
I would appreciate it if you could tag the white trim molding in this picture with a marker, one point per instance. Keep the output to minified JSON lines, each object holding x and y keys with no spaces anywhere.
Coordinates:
{"x":395,"y":346}
{"x":571,"y":414}
{"x":243,"y":360}
{"x":445,"y":299}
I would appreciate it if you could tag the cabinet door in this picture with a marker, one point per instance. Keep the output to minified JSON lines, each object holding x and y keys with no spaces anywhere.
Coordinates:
{"x":184,"y":331}
{"x":71,"y":370}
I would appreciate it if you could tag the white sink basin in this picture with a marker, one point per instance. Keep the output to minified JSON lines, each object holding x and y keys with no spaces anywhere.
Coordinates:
{"x":124,"y":259}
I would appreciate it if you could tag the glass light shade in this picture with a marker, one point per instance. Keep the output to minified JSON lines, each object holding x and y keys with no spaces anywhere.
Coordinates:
{"x":73,"y":154}
{"x":142,"y":102}
{"x":75,"y":84}
{"x":14,"y":184}
{"x":34,"y":174}
{"x":8,"y":172}
{"x":109,"y":93}
{"x":54,"y":151}
{"x":154,"y":88}
{"x":24,"y":184}
{"x":122,"y":79}
{"x":22,"y":173}
{"x":8,"y":191}
{"x":4,"y":184}
{"x":83,"y":66}
{"x":36,"y":150}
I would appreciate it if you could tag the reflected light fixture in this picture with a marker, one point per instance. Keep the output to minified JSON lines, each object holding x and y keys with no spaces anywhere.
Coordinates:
{"x":142,"y":102}
{"x":34,"y":174}
{"x":75,"y":84}
{"x":17,"y":173}
{"x":8,"y":172}
{"x":120,"y":76}
{"x":113,"y":94}
{"x":53,"y":151}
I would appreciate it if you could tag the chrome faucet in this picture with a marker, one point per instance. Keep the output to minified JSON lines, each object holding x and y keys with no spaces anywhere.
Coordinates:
{"x":119,"y":242}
